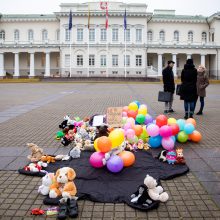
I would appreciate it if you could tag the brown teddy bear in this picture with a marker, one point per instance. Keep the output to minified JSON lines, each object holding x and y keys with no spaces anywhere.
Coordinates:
{"x":48,"y":159}
{"x":36,"y":152}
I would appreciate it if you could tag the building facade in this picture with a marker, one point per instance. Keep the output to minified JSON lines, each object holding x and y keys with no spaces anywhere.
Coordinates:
{"x":42,"y":45}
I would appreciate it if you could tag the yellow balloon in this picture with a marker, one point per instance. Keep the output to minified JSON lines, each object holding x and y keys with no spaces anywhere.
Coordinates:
{"x":133,"y":106}
{"x":116,"y":137}
{"x":95,"y":145}
{"x":142,"y":111}
{"x":171,"y":121}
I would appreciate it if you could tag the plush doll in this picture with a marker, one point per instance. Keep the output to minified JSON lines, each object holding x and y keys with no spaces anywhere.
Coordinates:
{"x":101,"y":131}
{"x":47,"y":181}
{"x":88,"y":146}
{"x":36,"y":167}
{"x":63,"y":184}
{"x":48,"y":159}
{"x":64,"y":122}
{"x":36,"y":152}
{"x":162,"y":156}
{"x":171,"y":156}
{"x":180,"y":158}
{"x":155,"y":192}
{"x":75,"y":152}
{"x":143,"y":146}
{"x":68,"y":138}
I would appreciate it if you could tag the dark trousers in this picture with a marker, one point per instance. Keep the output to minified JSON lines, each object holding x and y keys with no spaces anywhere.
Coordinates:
{"x":202,"y":103}
{"x":189,"y":107}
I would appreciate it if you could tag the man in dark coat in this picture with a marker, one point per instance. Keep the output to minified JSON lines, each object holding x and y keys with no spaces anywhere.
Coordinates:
{"x":169,"y":85}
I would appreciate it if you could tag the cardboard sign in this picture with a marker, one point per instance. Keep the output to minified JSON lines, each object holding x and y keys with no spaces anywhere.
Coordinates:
{"x":114,"y":116}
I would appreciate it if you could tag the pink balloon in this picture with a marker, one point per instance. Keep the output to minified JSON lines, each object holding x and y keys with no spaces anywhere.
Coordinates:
{"x":125,"y":109}
{"x":127,"y":126}
{"x":131,"y":120}
{"x":96,"y":159}
{"x":153,"y":130}
{"x":124,"y":114}
{"x":167,"y":143}
{"x":130,"y":133}
{"x":165,"y":131}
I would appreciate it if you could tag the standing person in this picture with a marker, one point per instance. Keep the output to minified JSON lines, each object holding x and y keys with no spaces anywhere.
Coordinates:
{"x":202,"y":83}
{"x":169,"y":85}
{"x":188,"y":91}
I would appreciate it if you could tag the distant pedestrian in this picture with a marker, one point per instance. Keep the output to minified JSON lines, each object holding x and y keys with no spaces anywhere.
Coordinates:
{"x":202,"y":83}
{"x":169,"y":85}
{"x":188,"y":91}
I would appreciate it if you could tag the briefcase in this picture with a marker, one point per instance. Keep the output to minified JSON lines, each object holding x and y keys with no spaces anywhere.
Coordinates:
{"x":178,"y":87}
{"x":164,"y":96}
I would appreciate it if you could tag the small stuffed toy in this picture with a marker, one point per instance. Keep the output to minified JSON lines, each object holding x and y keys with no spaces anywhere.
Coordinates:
{"x":68,"y":138}
{"x":180,"y":158}
{"x":171,"y":157}
{"x":48,"y":159}
{"x":88,"y":146}
{"x":36,"y":167}
{"x":36,"y":152}
{"x":102,"y":131}
{"x":47,"y":181}
{"x":64,"y":122}
{"x":75,"y":152}
{"x":143,"y":146}
{"x":162,"y":156}
{"x":63,"y":184}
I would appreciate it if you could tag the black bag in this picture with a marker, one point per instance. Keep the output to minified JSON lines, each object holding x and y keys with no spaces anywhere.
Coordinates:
{"x":178,"y":88}
{"x":164,"y":96}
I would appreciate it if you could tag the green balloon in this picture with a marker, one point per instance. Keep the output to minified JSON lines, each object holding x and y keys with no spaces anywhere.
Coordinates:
{"x":143,"y":137}
{"x":140,"y":119}
{"x":182,"y":137}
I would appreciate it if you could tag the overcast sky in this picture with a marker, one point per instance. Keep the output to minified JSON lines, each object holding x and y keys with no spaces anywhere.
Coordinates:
{"x":187,"y":7}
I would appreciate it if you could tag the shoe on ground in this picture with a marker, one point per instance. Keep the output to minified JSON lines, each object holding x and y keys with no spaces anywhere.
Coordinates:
{"x":190,"y":116}
{"x":72,"y":208}
{"x":186,"y":117}
{"x":166,"y":112}
{"x":171,"y":111}
{"x":199,"y":113}
{"x":63,"y":212}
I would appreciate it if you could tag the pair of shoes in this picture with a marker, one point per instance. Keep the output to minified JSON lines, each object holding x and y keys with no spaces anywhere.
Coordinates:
{"x":171,"y":111}
{"x":199,"y":113}
{"x":69,"y":208}
{"x":166,"y":111}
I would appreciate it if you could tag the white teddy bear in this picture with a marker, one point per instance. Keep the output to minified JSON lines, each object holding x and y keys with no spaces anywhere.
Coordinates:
{"x":155,"y":192}
{"x":47,"y":181}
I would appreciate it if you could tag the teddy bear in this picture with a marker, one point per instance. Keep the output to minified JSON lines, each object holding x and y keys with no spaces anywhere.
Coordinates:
{"x":88,"y":146}
{"x":36,"y":167}
{"x":155,"y":192}
{"x":48,"y":159}
{"x":75,"y":152}
{"x":63,"y":184}
{"x":47,"y":181}
{"x":64,"y":122}
{"x":36,"y":152}
{"x":180,"y":158}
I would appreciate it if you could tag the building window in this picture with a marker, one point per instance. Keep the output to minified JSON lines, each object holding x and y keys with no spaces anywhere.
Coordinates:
{"x":176,"y":36}
{"x":79,"y":72}
{"x":91,"y":72}
{"x":213,"y":37}
{"x":103,"y":34}
{"x":67,"y":60}
{"x":177,"y":62}
{"x":139,"y":35}
{"x":91,"y":60}
{"x":44,"y":35}
{"x":204,"y":37}
{"x":127,"y":35}
{"x":190,"y":36}
{"x":58,"y":35}
{"x":114,"y":60}
{"x":79,"y":60}
{"x":163,"y":61}
{"x":114,"y":72}
{"x":138,"y":72}
{"x":30,"y":35}
{"x":127,"y":60}
{"x":138,"y":60}
{"x":149,"y":61}
{"x":162,"y":36}
{"x":103,"y":72}
{"x":67,"y":34}
{"x":91,"y":34}
{"x":114,"y":34}
{"x":43,"y":59}
{"x":16,"y":35}
{"x":103,"y":60}
{"x":79,"y":34}
{"x":2,"y":35}
{"x":149,"y":36}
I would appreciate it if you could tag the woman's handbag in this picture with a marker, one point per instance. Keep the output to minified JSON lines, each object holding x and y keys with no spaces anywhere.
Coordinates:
{"x":164,"y":96}
{"x":178,"y":88}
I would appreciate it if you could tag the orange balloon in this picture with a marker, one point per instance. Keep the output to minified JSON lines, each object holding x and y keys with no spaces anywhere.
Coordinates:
{"x":104,"y":144}
{"x":192,"y":121}
{"x":195,"y":136}
{"x":127,"y":157}
{"x":138,"y":130}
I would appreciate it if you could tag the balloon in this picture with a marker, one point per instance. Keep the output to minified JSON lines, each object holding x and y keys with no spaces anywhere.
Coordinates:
{"x":189,"y":128}
{"x":142,"y":111}
{"x":138,"y":129}
{"x":130,"y":133}
{"x":153,"y":130}
{"x":96,"y":159}
{"x":143,"y":137}
{"x":175,"y":129}
{"x":171,"y":121}
{"x":182,"y":137}
{"x":125,"y":109}
{"x":95,"y":144}
{"x":168,"y":143}
{"x":155,"y":142}
{"x":124,"y":119}
{"x":181,"y":124}
{"x":132,"y":113}
{"x":131,"y":120}
{"x":192,"y":121}
{"x":116,"y":137}
{"x":133,"y":140}
{"x":115,"y":164}
{"x":138,"y":103}
{"x":104,"y":144}
{"x":165,"y":131}
{"x":148,"y":119}
{"x":124,"y":114}
{"x":127,"y":157}
{"x":161,"y":120}
{"x":143,"y":106}
{"x":127,"y":126}
{"x":195,"y":136}
{"x":140,"y":118}
{"x":133,"y":106}
{"x":174,"y":138}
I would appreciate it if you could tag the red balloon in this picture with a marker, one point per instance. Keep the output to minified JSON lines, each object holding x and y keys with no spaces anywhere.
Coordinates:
{"x":175,"y":129}
{"x":161,"y":120}
{"x":132,"y":114}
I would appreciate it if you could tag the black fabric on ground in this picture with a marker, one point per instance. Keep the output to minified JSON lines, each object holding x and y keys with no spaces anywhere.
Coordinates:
{"x":30,"y":173}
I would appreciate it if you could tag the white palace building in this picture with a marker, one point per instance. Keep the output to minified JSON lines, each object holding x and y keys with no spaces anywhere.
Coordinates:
{"x":42,"y":45}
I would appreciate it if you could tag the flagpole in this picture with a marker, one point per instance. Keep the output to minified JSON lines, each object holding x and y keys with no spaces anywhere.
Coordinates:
{"x":125,"y":54}
{"x":88,"y":37}
{"x":70,"y":53}
{"x":107,"y":52}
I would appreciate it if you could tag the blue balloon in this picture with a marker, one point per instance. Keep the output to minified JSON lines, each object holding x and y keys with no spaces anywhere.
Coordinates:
{"x":189,"y":128}
{"x":174,"y":138}
{"x":181,"y":123}
{"x":155,"y":142}
{"x":138,"y":103}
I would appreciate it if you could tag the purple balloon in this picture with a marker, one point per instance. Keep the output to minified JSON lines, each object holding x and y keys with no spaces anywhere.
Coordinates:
{"x":168,"y":143}
{"x":148,"y":119}
{"x":153,"y":130}
{"x":96,"y":159}
{"x":115,"y":164}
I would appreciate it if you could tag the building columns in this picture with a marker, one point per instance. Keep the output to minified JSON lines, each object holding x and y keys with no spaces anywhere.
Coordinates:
{"x":203,"y":59}
{"x":189,"y":56}
{"x":47,"y":66}
{"x":174,"y":67}
{"x":16,"y":64}
{"x":159,"y":65}
{"x":2,"y":68}
{"x":32,"y":70}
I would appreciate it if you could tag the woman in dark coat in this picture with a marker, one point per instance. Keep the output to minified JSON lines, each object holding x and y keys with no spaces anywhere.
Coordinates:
{"x":188,"y":91}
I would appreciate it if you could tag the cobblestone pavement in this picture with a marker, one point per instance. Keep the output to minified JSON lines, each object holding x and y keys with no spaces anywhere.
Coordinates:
{"x":32,"y":112}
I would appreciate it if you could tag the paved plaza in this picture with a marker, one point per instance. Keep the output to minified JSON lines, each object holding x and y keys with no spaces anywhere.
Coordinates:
{"x":32,"y":113}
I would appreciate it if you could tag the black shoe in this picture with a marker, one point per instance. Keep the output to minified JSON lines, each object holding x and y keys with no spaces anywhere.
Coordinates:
{"x":186,"y":116}
{"x":171,"y":111}
{"x":191,"y":115}
{"x":166,"y":112}
{"x":62,"y":214}
{"x":199,"y":113}
{"x":72,"y":208}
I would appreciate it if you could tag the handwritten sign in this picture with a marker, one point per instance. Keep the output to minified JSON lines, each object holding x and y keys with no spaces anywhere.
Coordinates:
{"x":114,"y":116}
